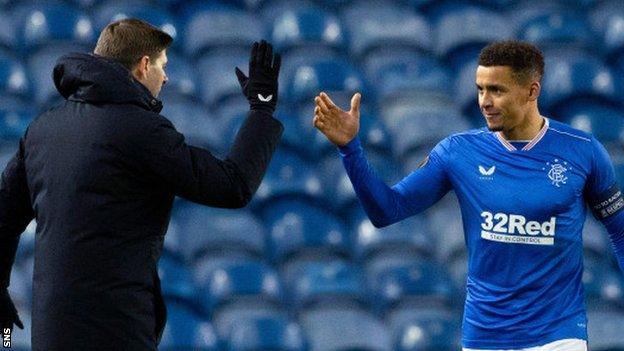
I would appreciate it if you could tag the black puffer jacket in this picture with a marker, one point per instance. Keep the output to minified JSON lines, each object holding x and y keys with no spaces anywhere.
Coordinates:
{"x":99,"y":174}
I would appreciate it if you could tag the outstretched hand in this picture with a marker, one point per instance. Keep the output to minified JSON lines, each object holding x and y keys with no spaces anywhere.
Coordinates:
{"x":339,"y":126}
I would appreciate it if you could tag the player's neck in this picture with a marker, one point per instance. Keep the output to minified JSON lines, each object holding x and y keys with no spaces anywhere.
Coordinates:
{"x":527,"y":130}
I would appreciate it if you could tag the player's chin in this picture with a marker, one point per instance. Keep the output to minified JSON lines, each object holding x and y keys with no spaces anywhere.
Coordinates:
{"x":494,"y":127}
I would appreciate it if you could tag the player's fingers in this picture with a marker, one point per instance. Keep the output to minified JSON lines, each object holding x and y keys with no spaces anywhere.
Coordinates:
{"x":328,"y":101}
{"x":355,"y":103}
{"x":321,"y":104}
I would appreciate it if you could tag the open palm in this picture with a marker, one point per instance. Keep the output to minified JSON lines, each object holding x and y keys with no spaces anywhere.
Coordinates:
{"x":339,"y":126}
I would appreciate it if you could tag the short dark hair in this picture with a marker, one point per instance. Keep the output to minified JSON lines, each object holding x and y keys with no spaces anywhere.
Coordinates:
{"x":130,"y":39}
{"x":526,"y":60}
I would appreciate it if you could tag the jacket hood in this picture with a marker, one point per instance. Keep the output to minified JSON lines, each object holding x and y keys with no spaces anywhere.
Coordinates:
{"x":96,"y":79}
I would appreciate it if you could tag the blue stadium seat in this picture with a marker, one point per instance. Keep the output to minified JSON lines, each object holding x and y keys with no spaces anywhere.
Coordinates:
{"x":14,"y":120}
{"x":339,"y":193}
{"x":191,"y":118}
{"x":157,"y":16}
{"x":333,"y":76}
{"x":208,"y":27}
{"x":385,"y":24}
{"x":463,"y":27}
{"x":422,"y":283}
{"x":8,"y":36}
{"x":182,"y":80}
{"x":298,"y":228}
{"x":305,"y":27}
{"x":558,"y":29}
{"x":236,"y":282}
{"x":18,"y":287}
{"x":428,"y":330}
{"x":288,"y":175}
{"x":26,"y":247}
{"x":607,"y":19}
{"x":604,"y":329}
{"x":574,"y":74}
{"x":208,"y":230}
{"x":410,"y":235}
{"x":186,"y":330}
{"x":605,"y":122}
{"x":176,"y":279}
{"x":276,"y":333}
{"x":374,"y":134}
{"x":21,"y":338}
{"x":173,"y":245}
{"x":595,"y":239}
{"x":216,"y":77}
{"x":415,"y":123}
{"x":233,"y":316}
{"x":405,"y":72}
{"x":41,"y":65}
{"x":447,"y":227}
{"x":335,"y":329}
{"x":49,"y":24}
{"x":14,"y":79}
{"x":603,"y":285}
{"x":523,"y":11}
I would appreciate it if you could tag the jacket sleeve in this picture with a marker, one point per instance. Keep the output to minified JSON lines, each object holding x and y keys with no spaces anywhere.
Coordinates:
{"x":386,"y":205}
{"x":196,"y":175}
{"x":15,"y":212}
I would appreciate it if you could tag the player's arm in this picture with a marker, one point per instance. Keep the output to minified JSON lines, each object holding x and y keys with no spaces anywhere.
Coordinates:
{"x":605,"y":199}
{"x":15,"y":214}
{"x":194,"y":173}
{"x":383,"y":204}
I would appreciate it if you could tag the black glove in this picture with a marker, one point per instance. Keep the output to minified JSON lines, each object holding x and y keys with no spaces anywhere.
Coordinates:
{"x":8,"y":313}
{"x":260,"y":87}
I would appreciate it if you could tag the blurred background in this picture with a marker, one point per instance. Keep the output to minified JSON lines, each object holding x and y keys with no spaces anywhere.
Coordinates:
{"x":302,"y":268}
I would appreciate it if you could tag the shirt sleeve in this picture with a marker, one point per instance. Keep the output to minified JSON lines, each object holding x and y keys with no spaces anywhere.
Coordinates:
{"x":15,"y":212}
{"x":605,"y":198}
{"x":386,"y":205}
{"x":196,"y":175}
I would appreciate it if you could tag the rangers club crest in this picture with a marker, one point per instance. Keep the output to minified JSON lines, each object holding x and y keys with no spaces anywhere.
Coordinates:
{"x":556,"y":172}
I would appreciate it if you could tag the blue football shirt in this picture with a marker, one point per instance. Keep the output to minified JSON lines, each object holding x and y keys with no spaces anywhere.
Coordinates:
{"x":523,"y":211}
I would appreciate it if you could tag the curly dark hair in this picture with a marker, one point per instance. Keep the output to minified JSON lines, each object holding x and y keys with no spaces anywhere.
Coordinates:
{"x":526,"y":60}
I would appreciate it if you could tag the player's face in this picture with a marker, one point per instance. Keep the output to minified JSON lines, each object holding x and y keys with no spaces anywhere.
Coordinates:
{"x":503,"y":102}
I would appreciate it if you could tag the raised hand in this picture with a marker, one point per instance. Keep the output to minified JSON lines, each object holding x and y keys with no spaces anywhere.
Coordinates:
{"x":260,"y":87}
{"x":339,"y":126}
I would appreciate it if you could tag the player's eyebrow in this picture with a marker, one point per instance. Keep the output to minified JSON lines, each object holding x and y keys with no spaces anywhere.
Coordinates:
{"x":491,"y":87}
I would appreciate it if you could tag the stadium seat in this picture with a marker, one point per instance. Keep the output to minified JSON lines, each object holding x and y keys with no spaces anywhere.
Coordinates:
{"x":604,"y":329}
{"x":8,"y":35}
{"x":41,"y":64}
{"x":288,"y":175}
{"x":447,"y":227}
{"x":182,"y":80}
{"x":217,"y":83}
{"x":192,"y":119}
{"x":374,"y":134}
{"x":207,"y":230}
{"x":50,"y":24}
{"x":237,"y":282}
{"x":428,"y":330}
{"x":557,"y":30}
{"x":333,"y":76}
{"x":26,"y":247}
{"x":268,"y":333}
{"x":410,"y":235}
{"x":523,"y":11}
{"x":385,"y":24}
{"x":299,"y":228}
{"x":422,"y":283}
{"x":14,"y":79}
{"x":306,"y":27}
{"x":574,"y":74}
{"x":605,"y":122}
{"x":416,"y":123}
{"x":320,"y":283}
{"x":21,"y":338}
{"x":463,"y":27}
{"x":231,"y":317}
{"x":603,"y":285}
{"x":186,"y":330}
{"x":405,"y":72}
{"x":19,"y":288}
{"x":14,"y":120}
{"x":208,"y":27}
{"x":173,"y":244}
{"x":595,"y":239}
{"x":340,"y":329}
{"x":607,"y":19}
{"x":157,"y":16}
{"x":176,"y":280}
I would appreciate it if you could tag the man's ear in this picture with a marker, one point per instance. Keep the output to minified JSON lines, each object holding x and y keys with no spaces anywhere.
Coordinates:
{"x":534,"y":91}
{"x":140,"y":70}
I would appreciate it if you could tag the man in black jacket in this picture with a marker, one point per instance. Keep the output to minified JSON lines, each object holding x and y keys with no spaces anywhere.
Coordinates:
{"x":99,"y":174}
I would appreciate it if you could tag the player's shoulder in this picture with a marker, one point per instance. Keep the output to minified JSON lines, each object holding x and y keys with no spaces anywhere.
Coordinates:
{"x":571,"y":134}
{"x":469,"y":135}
